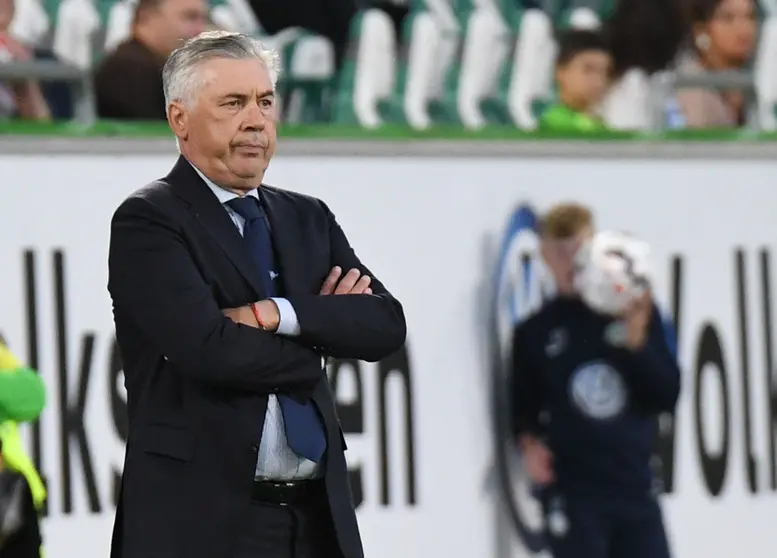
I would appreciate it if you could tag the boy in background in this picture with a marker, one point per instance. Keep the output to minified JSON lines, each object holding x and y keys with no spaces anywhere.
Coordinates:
{"x":582,"y":77}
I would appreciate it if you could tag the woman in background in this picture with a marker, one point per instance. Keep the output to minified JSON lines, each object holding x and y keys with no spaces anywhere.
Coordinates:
{"x":722,"y":35}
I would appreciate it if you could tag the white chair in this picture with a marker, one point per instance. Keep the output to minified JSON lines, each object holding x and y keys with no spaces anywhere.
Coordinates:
{"x":765,"y":73}
{"x":584,"y":19}
{"x":374,"y":75}
{"x":77,"y":21}
{"x":532,"y":72}
{"x":308,"y":62}
{"x":30,"y":22}
{"x":424,"y":42}
{"x":237,"y":16}
{"x":433,"y":45}
{"x":119,"y":25}
{"x":486,"y":48}
{"x":627,"y":106}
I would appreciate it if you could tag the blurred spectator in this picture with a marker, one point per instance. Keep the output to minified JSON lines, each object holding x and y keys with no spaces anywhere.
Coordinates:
{"x":128,"y":81}
{"x":644,"y":37}
{"x":722,"y":36}
{"x":582,"y":76}
{"x":18,"y":99}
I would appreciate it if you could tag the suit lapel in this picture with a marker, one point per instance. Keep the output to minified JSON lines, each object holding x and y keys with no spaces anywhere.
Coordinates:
{"x":287,"y":238}
{"x":207,"y":209}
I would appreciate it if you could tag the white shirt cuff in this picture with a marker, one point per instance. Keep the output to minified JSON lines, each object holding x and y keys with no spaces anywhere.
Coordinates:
{"x":287,"y":323}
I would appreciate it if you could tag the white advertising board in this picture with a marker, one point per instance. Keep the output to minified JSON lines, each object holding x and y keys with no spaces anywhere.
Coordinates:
{"x":430,"y":228}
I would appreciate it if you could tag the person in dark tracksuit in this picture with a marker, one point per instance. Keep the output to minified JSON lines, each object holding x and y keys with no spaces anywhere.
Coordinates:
{"x":587,"y":390}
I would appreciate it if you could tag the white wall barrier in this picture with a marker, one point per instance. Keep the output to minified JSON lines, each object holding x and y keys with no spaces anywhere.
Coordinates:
{"x":430,"y":229}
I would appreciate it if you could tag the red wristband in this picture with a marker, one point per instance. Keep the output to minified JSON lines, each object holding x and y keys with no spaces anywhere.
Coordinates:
{"x":255,"y":310}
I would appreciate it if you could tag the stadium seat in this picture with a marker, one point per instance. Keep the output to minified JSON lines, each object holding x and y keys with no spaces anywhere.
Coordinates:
{"x":235,"y":15}
{"x":431,"y":36}
{"x":31,"y":22}
{"x":591,"y":10}
{"x":486,"y":49}
{"x":583,"y":18}
{"x":76,"y":23}
{"x":308,"y":75}
{"x":531,"y":80}
{"x":118,"y":23}
{"x":368,"y":75}
{"x":627,"y":106}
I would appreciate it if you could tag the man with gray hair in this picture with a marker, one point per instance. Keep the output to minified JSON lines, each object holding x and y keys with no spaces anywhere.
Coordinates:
{"x":224,"y":295}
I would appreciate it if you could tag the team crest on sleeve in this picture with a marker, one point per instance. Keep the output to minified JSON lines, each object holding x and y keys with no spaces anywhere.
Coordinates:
{"x":598,"y":390}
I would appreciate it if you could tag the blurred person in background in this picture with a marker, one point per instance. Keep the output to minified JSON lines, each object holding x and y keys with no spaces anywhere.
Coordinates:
{"x":585,"y":402}
{"x":128,"y":81}
{"x":22,"y":398}
{"x":722,"y":36}
{"x":22,"y":99}
{"x":644,"y":37}
{"x":582,"y":76}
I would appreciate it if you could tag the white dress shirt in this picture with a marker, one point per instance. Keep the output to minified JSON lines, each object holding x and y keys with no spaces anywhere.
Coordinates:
{"x":276,"y":460}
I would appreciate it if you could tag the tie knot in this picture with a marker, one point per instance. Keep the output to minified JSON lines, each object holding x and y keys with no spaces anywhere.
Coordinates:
{"x":247,"y":207}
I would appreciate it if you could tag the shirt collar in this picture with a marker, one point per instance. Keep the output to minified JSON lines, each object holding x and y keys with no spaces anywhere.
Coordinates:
{"x":223,"y":195}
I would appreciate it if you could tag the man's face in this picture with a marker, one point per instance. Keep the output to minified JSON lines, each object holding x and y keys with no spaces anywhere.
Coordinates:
{"x":229,"y":133}
{"x":559,"y":255}
{"x":585,"y":78}
{"x":176,"y":21}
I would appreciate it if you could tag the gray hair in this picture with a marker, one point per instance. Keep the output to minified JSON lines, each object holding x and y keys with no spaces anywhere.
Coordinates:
{"x":181,"y":71}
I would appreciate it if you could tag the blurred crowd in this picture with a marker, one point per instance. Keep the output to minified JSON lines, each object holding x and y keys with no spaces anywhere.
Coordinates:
{"x":596,"y":68}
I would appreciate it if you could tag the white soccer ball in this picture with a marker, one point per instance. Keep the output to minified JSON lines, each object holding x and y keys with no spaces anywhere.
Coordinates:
{"x":611,"y":270}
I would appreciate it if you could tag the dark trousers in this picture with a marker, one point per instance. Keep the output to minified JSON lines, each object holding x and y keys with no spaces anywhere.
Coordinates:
{"x":289,"y":531}
{"x":595,"y":526}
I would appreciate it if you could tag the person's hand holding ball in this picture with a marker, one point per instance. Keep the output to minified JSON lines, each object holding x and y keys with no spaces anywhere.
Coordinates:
{"x":613,"y":275}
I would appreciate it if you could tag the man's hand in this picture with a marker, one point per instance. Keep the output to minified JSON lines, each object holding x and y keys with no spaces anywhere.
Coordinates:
{"x":637,"y":319}
{"x":353,"y":283}
{"x":538,"y":461}
{"x":267,"y":310}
